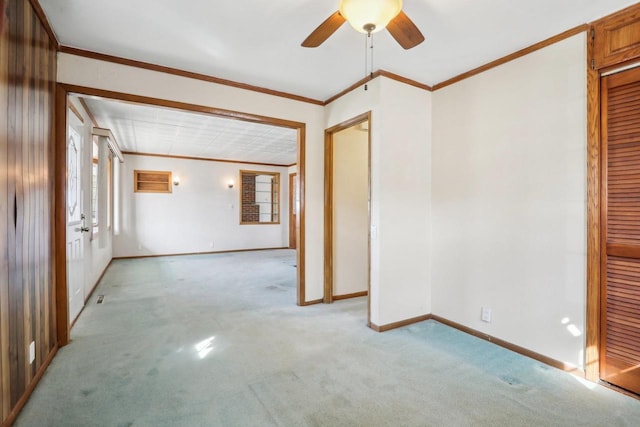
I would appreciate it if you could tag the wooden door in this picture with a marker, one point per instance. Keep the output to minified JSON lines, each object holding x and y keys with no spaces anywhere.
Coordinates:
{"x":620,"y":292}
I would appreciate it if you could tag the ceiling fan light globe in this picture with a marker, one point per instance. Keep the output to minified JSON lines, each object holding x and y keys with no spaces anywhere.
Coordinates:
{"x":362,"y":13}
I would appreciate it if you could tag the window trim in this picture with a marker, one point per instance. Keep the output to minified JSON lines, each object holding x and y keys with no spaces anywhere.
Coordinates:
{"x":277,"y":190}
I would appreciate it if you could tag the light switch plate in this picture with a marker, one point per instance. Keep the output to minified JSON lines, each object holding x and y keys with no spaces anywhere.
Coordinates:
{"x":486,"y":314}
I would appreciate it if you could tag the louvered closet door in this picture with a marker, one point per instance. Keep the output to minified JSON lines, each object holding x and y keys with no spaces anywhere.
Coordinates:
{"x":620,"y":309}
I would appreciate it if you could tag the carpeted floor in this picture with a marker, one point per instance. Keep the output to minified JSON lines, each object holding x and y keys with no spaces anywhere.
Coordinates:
{"x":217,"y":340}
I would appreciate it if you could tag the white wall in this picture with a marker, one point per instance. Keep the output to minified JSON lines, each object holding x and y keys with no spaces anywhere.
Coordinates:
{"x":125,"y":79}
{"x":350,"y":211}
{"x":96,"y":258}
{"x":200,"y":215}
{"x":401,"y":167}
{"x":509,"y":188}
{"x":400,"y":194}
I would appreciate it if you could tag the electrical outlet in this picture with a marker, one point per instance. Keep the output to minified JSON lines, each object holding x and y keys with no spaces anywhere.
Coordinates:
{"x":486,"y":314}
{"x":32,"y":351}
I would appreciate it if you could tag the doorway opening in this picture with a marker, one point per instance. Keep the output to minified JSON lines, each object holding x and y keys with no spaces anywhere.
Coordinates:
{"x":92,"y":157}
{"x":347,"y":239}
{"x":234,"y":118}
{"x":294,"y":208}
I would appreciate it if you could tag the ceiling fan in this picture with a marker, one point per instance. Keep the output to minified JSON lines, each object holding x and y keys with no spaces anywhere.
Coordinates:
{"x":369,"y":16}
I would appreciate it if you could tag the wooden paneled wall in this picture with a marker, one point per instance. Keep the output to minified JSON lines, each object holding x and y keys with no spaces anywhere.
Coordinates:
{"x":27,"y":85}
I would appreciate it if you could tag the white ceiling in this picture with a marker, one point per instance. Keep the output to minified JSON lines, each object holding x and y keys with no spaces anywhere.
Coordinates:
{"x":257,"y":42}
{"x":156,"y":130}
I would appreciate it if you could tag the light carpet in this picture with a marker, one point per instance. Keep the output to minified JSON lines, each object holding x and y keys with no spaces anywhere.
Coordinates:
{"x":217,"y":340}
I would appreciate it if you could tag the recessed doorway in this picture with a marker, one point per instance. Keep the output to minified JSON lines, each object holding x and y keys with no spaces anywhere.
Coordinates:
{"x":347,"y":209}
{"x":226,"y":121}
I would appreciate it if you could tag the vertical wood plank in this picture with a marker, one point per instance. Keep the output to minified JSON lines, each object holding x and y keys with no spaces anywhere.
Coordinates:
{"x":34,"y":166}
{"x":37,"y":208}
{"x":27,"y":86}
{"x":18,"y":278}
{"x":5,"y":404}
{"x":60,"y":290}
{"x":27,"y":196}
{"x":40,"y":177}
{"x":14,"y":142}
{"x":49,"y":235}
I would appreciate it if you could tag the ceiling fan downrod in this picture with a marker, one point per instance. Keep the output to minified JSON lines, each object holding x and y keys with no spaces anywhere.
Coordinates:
{"x":368,"y":65}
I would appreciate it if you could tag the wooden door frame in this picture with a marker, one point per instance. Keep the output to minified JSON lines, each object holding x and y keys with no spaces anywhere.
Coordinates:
{"x":292,"y":200}
{"x":62,"y":92}
{"x":595,"y":208}
{"x":592,"y":342}
{"x":328,"y":205}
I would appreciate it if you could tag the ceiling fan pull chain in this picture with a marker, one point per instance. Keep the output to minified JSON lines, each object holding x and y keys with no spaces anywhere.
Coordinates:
{"x":371,"y":67}
{"x":368,"y":58}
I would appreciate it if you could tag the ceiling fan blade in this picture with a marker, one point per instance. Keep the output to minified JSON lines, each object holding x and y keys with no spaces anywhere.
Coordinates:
{"x":405,"y":31}
{"x":324,"y":30}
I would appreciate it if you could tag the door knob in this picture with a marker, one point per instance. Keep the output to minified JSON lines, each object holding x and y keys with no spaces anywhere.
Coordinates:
{"x":83,"y":228}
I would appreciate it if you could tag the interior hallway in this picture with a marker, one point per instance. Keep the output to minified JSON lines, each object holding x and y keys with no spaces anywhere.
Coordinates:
{"x":216,"y":340}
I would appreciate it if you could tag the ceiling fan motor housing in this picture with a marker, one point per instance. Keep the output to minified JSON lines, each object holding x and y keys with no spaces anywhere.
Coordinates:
{"x":369,"y":16}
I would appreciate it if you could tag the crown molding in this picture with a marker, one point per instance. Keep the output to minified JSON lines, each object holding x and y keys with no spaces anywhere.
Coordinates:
{"x":204,"y":159}
{"x":372,"y":76}
{"x":500,"y":61}
{"x":211,"y":79}
{"x":182,"y":73}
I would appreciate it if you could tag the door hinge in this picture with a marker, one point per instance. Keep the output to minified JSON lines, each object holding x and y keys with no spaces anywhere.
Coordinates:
{"x":593,"y":64}
{"x":593,"y":34}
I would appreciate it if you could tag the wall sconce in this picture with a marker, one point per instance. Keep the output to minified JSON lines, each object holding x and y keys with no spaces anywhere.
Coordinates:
{"x":230,"y":183}
{"x":176,"y":180}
